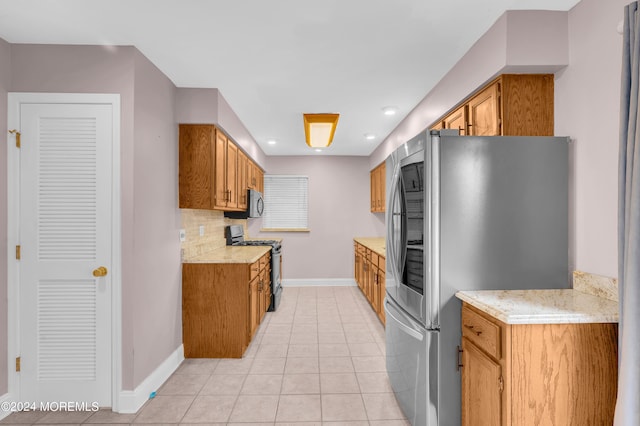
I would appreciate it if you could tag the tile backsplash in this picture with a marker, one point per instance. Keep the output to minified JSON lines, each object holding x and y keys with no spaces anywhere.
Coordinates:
{"x":597,"y":285}
{"x":213,"y":238}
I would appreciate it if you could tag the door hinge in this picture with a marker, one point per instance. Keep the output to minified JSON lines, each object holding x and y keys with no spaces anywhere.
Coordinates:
{"x":501,"y":384}
{"x":17,"y":133}
{"x":17,"y":252}
{"x":18,"y":364}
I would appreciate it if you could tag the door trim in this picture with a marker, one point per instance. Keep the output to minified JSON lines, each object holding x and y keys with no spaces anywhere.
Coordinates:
{"x":15,"y":100}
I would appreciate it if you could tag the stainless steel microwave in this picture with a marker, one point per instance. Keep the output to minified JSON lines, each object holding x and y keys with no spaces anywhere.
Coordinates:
{"x":255,"y":206}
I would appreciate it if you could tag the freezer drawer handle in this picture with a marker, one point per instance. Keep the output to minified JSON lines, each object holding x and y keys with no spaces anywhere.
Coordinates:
{"x":411,"y":332}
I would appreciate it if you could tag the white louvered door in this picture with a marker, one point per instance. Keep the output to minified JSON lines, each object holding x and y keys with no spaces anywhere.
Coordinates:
{"x":65,"y":234}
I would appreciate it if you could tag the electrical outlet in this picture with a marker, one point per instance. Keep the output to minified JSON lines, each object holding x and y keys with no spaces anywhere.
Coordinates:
{"x":183,"y":235}
{"x":201,"y":230}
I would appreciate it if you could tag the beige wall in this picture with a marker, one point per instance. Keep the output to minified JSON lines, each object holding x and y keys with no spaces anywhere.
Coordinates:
{"x":587,"y":109}
{"x":339,"y":203}
{"x":155,"y":302}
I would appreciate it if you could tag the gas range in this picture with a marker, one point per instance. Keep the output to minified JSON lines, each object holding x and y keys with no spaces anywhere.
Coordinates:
{"x":235,"y":237}
{"x":272,"y":243}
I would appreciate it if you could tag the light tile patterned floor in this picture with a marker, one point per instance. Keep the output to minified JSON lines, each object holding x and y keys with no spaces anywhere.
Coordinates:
{"x":318,"y":360}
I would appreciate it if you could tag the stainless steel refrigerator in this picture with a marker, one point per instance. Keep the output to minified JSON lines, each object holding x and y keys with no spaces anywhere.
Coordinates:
{"x":464,"y":213}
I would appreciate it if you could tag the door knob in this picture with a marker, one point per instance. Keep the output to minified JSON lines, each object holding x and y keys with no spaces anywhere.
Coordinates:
{"x":100,"y":272}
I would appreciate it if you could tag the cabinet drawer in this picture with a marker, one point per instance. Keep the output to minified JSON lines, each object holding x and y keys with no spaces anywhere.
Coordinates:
{"x":382,"y":264}
{"x":265,"y":260}
{"x":254,"y":268}
{"x":360,"y":248}
{"x":374,"y":259}
{"x":484,"y":333}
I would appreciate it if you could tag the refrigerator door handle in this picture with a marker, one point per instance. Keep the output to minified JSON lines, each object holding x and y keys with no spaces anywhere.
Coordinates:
{"x":410,"y":331}
{"x":390,"y":225}
{"x":434,"y":242}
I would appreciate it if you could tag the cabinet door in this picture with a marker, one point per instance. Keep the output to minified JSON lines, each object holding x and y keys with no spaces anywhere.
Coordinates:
{"x":357,"y":267}
{"x":232,"y":175}
{"x":382,"y":174}
{"x":484,"y":112}
{"x":481,"y":388}
{"x":196,"y":158}
{"x":381,"y":278}
{"x":220,"y":171}
{"x":260,"y":178}
{"x":253,"y":306}
{"x":373,"y":178}
{"x":242,"y":180}
{"x":437,"y":126}
{"x":457,"y":120}
{"x":375,"y":289}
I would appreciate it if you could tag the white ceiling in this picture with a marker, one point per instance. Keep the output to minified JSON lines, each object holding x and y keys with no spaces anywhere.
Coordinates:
{"x":276,"y":59}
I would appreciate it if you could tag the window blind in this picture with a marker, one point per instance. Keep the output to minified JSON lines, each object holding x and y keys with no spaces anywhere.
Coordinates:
{"x":285,"y":202}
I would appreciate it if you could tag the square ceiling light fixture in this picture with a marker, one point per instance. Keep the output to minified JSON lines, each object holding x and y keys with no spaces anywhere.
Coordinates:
{"x":319,"y":129}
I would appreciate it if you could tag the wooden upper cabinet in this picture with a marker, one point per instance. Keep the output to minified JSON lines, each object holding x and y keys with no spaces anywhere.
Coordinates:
{"x":510,"y":105}
{"x":484,"y":114}
{"x":232,"y":175}
{"x":220,"y":172}
{"x":196,"y":159}
{"x":377,"y":190}
{"x":527,"y":104}
{"x":243,"y":163}
{"x":456,"y":120}
{"x":260,"y":179}
{"x":212,"y":170}
{"x":437,"y":126}
{"x":255,"y":177}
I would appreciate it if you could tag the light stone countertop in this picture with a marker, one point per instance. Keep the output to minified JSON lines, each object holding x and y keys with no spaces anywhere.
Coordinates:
{"x":376,"y":244}
{"x":231,"y":254}
{"x":542,"y":306}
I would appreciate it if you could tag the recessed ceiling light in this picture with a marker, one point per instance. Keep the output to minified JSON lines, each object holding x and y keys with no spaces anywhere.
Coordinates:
{"x":318,"y":150}
{"x":271,"y":142}
{"x":369,"y":136}
{"x":390,"y":110}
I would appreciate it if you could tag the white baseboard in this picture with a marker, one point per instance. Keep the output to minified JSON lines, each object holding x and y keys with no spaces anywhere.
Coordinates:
{"x":131,"y":401}
{"x":5,"y":398}
{"x":320,"y":282}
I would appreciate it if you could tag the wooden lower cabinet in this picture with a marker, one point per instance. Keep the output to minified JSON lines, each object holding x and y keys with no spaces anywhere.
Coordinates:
{"x":370,"y":275}
{"x":537,"y":374}
{"x":480,"y":387}
{"x":222,"y":306}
